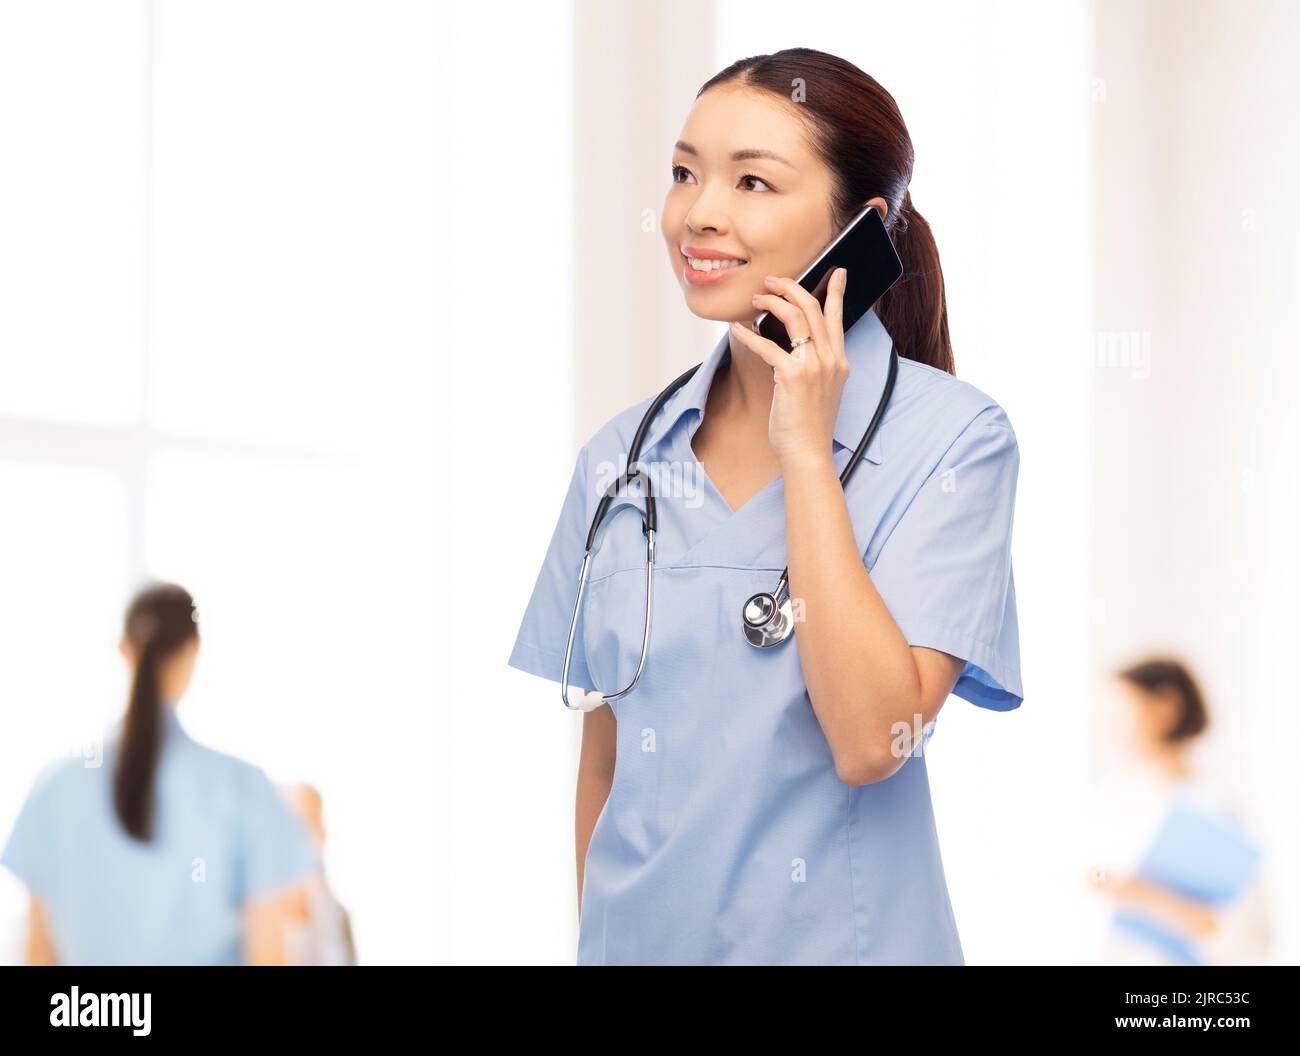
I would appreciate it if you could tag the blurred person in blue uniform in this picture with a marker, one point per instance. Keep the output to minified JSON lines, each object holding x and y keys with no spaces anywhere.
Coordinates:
{"x":167,"y":852}
{"x":1171,"y":852}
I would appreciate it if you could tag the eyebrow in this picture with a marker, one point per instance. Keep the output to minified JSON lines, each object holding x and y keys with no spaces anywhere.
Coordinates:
{"x":740,"y":155}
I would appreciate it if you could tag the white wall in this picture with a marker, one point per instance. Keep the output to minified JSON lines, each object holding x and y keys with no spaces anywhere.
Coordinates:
{"x":506,"y":353}
{"x":1193,"y":529}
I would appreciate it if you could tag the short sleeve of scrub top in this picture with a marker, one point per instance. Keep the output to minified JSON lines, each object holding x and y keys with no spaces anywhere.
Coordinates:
{"x":728,"y":836}
{"x":276,"y":849}
{"x":539,"y":644}
{"x":28,"y":852}
{"x":945,"y":570}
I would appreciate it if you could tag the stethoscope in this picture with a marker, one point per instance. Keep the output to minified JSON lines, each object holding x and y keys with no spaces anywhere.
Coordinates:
{"x":767,"y":618}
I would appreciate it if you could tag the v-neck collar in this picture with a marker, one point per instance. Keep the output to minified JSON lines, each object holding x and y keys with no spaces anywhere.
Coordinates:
{"x":687,"y":439}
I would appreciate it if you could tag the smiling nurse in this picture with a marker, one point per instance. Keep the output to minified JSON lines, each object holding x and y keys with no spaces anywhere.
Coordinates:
{"x":772,"y":806}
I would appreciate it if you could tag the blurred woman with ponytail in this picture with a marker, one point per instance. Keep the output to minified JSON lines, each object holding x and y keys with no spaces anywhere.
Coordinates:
{"x":166,"y":851}
{"x":772,"y":806}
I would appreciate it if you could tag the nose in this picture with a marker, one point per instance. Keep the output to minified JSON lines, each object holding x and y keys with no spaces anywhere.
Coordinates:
{"x":706,"y":212}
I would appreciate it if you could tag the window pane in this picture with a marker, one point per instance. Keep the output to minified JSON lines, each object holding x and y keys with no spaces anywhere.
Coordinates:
{"x":72,"y":124}
{"x":291,"y":226}
{"x":63,"y":580}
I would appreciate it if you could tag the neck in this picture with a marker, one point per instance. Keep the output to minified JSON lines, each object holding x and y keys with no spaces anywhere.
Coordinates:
{"x":747,"y":387}
{"x":1169,"y":762}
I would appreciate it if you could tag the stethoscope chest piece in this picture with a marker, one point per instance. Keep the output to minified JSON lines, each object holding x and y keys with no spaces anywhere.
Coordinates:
{"x":766,"y":620}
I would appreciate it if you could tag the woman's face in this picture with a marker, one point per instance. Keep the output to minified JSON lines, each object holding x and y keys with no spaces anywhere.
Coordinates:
{"x":1143,"y":718}
{"x":771,"y":212}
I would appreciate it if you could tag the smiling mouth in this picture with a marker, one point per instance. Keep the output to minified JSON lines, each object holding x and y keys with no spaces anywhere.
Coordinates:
{"x":704,"y":266}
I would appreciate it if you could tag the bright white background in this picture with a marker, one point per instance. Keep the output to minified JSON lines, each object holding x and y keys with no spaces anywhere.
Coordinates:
{"x":309,"y":306}
{"x":215,"y":367}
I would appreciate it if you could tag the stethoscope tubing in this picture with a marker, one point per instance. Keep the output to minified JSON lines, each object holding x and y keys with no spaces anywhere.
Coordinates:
{"x":775,"y":605}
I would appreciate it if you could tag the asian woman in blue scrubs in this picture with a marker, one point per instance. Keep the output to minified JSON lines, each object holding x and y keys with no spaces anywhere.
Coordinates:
{"x":166,"y":852}
{"x":747,"y":806}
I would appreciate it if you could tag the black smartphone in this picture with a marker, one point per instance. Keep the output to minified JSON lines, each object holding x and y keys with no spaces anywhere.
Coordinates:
{"x":865,"y":250}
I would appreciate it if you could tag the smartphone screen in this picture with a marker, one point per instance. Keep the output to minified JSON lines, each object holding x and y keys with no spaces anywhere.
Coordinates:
{"x":865,"y":250}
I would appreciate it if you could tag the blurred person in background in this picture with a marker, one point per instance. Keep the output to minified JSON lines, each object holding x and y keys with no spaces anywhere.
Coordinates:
{"x":318,"y":930}
{"x":1170,"y":850}
{"x":167,"y":852}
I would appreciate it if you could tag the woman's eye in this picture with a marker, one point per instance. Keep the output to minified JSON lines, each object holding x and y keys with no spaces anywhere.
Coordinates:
{"x":680,"y":170}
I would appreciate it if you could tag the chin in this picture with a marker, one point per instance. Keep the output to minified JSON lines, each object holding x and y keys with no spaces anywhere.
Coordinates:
{"x":721,"y":316}
{"x":704,"y":307}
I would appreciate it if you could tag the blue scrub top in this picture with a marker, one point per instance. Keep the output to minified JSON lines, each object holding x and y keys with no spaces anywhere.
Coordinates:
{"x":222,"y":835}
{"x":727,"y":836}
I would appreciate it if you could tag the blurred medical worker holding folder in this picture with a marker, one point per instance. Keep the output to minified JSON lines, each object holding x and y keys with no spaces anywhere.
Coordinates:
{"x":1170,"y":849}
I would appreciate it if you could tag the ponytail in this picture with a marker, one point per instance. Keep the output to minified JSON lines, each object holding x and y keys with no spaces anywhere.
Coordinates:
{"x":159,"y":621}
{"x":138,"y":750}
{"x":915,"y":309}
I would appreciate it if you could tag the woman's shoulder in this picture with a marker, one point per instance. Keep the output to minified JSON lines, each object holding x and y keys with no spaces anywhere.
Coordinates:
{"x":61,"y":776}
{"x":239,"y":771}
{"x":217,"y":766}
{"x":609,"y":443}
{"x":62,"y":788}
{"x":956,"y":401}
{"x":935,"y":417}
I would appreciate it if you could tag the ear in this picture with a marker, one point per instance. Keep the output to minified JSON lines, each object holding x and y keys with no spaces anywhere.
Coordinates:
{"x":882,"y":207}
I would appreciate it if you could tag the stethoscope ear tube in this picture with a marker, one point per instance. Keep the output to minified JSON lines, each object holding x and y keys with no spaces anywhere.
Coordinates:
{"x":634,"y":472}
{"x":602,"y":508}
{"x":594,"y":700}
{"x":594,"y":538}
{"x":568,"y":645}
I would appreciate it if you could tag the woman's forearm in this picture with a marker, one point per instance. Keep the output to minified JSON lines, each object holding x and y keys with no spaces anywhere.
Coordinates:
{"x":593,"y":790}
{"x":859,"y":669}
{"x":595,"y":776}
{"x":40,"y":944}
{"x":1184,"y":913}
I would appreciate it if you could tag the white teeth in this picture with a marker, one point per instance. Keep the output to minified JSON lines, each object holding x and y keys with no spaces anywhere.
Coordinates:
{"x":712,"y":265}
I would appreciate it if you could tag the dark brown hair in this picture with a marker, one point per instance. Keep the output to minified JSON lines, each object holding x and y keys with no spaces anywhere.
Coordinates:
{"x":1164,"y":675}
{"x":856,"y":128}
{"x":159,"y":621}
